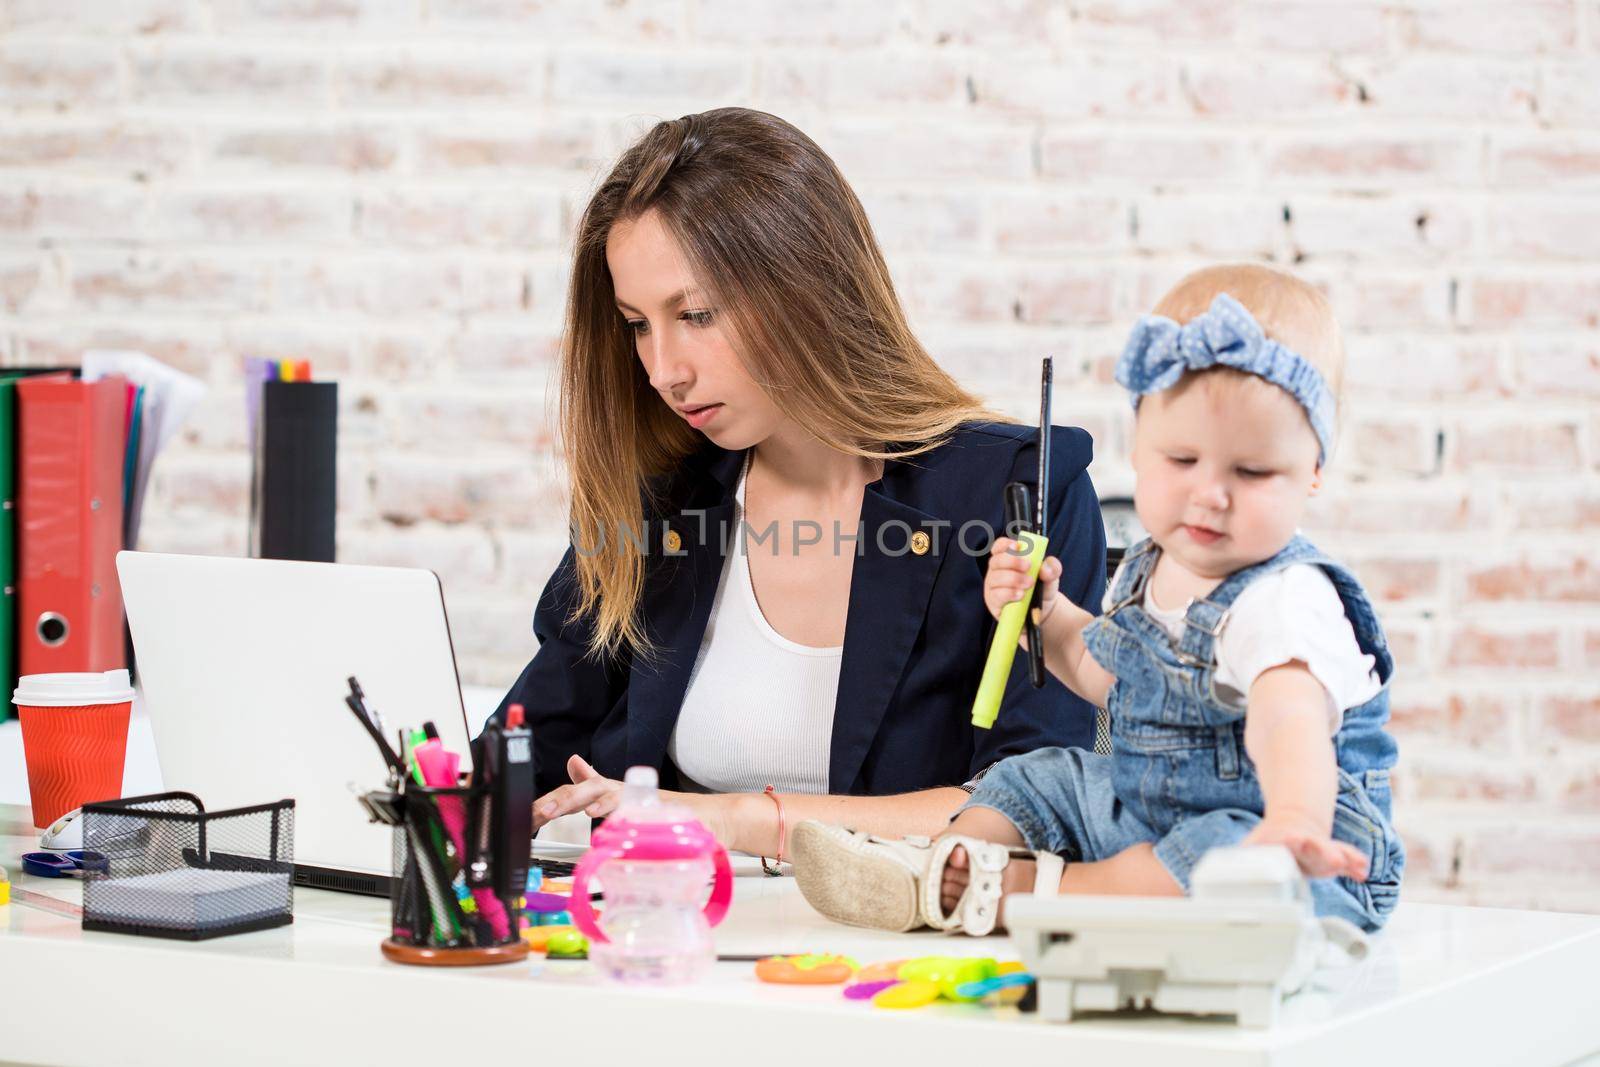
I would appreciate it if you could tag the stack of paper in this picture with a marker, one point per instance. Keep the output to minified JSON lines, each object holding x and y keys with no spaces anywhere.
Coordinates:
{"x":165,"y":398}
{"x":187,"y":899}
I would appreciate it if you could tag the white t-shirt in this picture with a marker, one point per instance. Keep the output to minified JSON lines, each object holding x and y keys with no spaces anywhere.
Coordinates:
{"x":1291,"y":614}
{"x":758,"y":709}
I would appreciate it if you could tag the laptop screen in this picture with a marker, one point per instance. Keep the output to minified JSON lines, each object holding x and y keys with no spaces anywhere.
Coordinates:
{"x":243,"y":667}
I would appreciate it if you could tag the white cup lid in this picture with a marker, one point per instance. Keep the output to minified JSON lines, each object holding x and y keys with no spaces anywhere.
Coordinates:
{"x":72,"y":690}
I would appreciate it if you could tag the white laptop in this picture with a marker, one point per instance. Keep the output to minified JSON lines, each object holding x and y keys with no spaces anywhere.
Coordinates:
{"x":243,"y":664}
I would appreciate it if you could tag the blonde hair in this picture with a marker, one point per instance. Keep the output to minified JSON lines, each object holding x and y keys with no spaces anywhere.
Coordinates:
{"x":1291,"y":311}
{"x":771,"y":230}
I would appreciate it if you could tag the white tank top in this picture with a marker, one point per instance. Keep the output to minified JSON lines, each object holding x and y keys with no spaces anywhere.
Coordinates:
{"x":759,"y":707}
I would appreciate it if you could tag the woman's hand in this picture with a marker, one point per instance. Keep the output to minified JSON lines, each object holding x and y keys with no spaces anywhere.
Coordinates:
{"x":598,"y":796}
{"x":590,"y":792}
{"x":1007,"y":580}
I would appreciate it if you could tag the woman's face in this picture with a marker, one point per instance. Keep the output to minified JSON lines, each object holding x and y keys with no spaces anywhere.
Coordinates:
{"x":680,"y":338}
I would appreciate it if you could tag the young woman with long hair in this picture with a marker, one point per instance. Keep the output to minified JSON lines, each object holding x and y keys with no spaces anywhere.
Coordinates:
{"x":781,"y":510}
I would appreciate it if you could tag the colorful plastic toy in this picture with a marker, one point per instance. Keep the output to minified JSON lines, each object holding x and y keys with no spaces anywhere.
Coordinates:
{"x":1000,"y":983}
{"x":566,"y":944}
{"x":538,"y":937}
{"x":547,"y":902}
{"x":901,"y":995}
{"x":878,"y":972}
{"x":902,"y":984}
{"x":806,"y":970}
{"x":868,"y":990}
{"x":948,"y":973}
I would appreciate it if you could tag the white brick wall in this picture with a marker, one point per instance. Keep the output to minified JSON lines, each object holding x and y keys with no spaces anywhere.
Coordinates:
{"x":386,"y":187}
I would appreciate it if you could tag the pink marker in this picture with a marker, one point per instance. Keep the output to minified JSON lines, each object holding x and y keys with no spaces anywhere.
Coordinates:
{"x":439,"y":769}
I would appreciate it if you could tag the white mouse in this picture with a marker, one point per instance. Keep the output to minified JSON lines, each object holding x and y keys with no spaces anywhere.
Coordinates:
{"x":65,"y":833}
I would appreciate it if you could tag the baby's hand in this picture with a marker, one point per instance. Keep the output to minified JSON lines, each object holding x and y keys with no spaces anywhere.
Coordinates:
{"x":1319,"y":855}
{"x":1007,"y":580}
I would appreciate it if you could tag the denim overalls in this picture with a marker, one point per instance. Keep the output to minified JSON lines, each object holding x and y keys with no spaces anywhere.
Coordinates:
{"x":1179,"y":776}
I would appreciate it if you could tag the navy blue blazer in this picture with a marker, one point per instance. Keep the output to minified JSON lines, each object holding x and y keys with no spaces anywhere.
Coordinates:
{"x":916,"y":633}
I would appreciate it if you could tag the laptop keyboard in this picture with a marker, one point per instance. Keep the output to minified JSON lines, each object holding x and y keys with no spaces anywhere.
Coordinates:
{"x":553,"y":868}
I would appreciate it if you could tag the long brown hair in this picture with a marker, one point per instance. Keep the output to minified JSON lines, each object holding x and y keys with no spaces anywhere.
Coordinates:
{"x":775,"y":236}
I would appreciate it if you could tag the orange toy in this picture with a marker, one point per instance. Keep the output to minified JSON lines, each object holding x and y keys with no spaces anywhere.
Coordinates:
{"x":881,"y":972}
{"x":806,"y":970}
{"x":538,"y":937}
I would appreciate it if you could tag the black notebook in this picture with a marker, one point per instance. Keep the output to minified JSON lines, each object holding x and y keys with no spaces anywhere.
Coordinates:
{"x":297,"y":470}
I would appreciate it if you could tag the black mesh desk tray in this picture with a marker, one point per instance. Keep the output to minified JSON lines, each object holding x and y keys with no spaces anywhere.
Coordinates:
{"x":173,"y":869}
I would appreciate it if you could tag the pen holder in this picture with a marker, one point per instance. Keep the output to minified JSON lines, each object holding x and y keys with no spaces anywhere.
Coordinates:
{"x":437,"y":918}
{"x":163,"y":866}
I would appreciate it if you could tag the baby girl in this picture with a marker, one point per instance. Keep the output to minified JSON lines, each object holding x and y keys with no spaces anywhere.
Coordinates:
{"x":1245,"y":672}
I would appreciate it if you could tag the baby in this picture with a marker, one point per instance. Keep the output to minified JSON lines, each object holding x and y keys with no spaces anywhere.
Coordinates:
{"x":1245,"y":672}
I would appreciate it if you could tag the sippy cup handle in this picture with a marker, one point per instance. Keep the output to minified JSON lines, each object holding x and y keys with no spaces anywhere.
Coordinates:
{"x":582,"y":911}
{"x":721,"y":889}
{"x":580,"y":908}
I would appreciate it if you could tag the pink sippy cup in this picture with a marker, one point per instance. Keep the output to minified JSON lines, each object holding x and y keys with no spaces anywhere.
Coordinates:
{"x":654,"y":861}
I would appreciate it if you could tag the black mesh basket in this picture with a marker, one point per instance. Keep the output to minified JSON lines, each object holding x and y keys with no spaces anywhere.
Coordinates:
{"x":163,"y":866}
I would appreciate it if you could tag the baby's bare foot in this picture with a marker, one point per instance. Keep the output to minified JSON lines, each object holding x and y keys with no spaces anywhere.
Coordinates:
{"x":1018,"y":877}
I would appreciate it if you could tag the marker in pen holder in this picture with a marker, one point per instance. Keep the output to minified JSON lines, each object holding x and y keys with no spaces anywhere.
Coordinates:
{"x":443,"y":907}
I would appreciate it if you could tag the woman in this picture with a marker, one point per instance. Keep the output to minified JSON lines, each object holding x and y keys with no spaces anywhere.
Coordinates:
{"x":735,"y":362}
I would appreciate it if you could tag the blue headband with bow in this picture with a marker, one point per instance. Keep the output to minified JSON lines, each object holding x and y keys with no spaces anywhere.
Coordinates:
{"x":1159,"y":352}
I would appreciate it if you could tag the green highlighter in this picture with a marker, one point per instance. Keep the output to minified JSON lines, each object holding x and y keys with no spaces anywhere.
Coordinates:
{"x":1032,"y":543}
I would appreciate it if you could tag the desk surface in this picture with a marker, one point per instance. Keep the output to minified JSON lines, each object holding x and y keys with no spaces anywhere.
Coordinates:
{"x":1444,"y":985}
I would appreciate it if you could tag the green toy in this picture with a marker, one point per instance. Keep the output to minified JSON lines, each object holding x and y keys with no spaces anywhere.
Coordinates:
{"x":567,"y":945}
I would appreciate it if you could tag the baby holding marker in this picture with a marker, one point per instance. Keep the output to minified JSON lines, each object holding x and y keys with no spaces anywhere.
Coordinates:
{"x":1245,"y":672}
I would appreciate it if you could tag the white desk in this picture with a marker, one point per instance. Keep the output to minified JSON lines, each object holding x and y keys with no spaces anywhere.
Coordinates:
{"x":1446,"y":985}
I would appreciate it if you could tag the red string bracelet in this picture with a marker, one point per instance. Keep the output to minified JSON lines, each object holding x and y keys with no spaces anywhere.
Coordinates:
{"x":776,"y":868}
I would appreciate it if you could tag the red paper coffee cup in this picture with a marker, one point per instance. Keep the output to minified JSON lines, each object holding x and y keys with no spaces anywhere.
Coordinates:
{"x":74,"y":738}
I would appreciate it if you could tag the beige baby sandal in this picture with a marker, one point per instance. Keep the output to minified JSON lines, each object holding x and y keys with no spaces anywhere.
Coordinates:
{"x":890,"y":884}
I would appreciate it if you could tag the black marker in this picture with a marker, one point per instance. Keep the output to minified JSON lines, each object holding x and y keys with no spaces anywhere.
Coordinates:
{"x":357,"y":704}
{"x":511,"y":814}
{"x":1041,"y":494}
